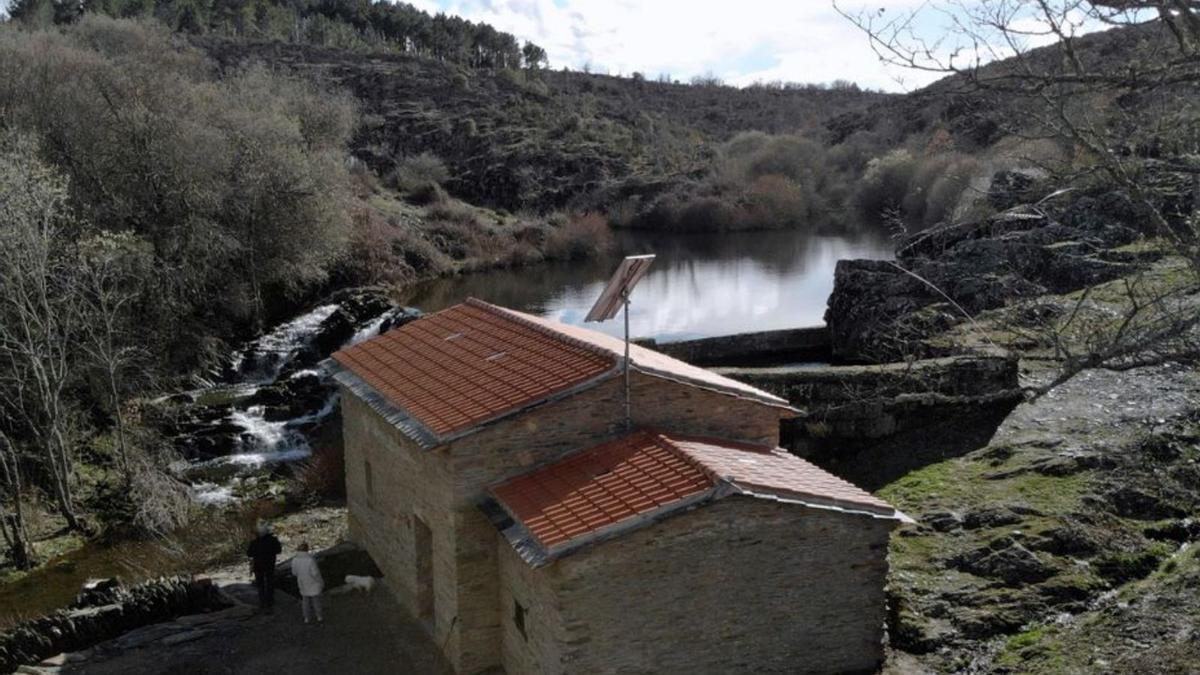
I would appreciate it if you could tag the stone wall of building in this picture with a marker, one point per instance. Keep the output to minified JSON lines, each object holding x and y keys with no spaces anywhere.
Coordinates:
{"x":406,"y":483}
{"x":538,"y":648}
{"x":514,"y":445}
{"x":742,"y":585}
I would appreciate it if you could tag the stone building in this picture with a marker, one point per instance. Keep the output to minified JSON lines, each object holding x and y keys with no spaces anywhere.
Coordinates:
{"x":493,"y":477}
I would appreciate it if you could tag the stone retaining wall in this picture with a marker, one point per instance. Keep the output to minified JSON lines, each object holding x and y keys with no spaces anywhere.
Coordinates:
{"x":773,"y":346}
{"x":855,"y":402}
{"x":86,"y":623}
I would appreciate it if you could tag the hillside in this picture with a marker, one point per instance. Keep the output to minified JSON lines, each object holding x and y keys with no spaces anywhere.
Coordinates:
{"x":539,"y":139}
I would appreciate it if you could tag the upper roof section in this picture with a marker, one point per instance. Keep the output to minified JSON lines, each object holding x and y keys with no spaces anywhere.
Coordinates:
{"x":631,"y":481}
{"x":447,"y":373}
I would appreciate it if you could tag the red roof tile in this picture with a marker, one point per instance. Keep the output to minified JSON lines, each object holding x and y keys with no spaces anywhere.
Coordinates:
{"x":613,"y":483}
{"x":467,"y":364}
{"x":601,"y":487}
{"x":777,"y":472}
{"x":475,"y":362}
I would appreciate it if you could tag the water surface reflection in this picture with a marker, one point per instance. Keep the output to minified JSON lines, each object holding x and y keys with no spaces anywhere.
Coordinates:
{"x":700,"y":285}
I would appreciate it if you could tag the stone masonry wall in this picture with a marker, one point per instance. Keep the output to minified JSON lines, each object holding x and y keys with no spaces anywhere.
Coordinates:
{"x":742,"y":585}
{"x":513,"y":446}
{"x":540,"y":648}
{"x":407,"y":481}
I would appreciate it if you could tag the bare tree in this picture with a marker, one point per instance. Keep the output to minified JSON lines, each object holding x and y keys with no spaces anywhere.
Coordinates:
{"x":12,"y":515}
{"x":38,"y":312}
{"x":111,"y":269}
{"x":1034,"y":58}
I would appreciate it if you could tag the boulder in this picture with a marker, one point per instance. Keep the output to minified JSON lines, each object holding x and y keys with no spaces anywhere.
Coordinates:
{"x":335,"y":563}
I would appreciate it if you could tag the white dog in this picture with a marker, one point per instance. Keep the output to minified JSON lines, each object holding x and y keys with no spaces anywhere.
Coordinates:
{"x":357,"y":583}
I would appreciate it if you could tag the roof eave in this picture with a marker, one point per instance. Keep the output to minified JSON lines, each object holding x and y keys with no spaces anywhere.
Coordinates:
{"x":395,"y":415}
{"x":536,"y":555}
{"x":840,"y":506}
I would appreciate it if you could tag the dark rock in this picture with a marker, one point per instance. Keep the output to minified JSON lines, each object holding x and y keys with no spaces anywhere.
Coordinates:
{"x":979,"y":624}
{"x":1006,"y":560}
{"x":1178,"y":531}
{"x":1067,"y":540}
{"x":99,"y":592}
{"x":942,"y":521}
{"x":1011,"y":188}
{"x":995,"y":516}
{"x":1066,"y":465}
{"x":1130,"y":502}
{"x":880,"y":310}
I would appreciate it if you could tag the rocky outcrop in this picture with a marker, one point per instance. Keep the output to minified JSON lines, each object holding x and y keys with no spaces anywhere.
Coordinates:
{"x":883,"y":310}
{"x":102,"y":612}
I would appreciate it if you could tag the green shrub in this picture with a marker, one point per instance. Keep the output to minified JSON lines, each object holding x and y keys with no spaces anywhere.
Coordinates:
{"x":885,"y":183}
{"x":418,"y":173}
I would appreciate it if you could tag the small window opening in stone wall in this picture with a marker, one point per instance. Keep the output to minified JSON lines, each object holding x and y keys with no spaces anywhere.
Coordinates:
{"x":370,"y":482}
{"x":519,"y":618}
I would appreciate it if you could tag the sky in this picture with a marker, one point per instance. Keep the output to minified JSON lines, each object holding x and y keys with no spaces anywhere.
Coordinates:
{"x":739,"y":42}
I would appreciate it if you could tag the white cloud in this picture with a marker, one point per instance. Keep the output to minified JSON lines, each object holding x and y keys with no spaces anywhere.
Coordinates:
{"x":796,"y":40}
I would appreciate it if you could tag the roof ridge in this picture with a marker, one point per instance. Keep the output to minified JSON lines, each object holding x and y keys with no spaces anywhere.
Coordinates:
{"x":666,"y":442}
{"x":518,"y":317}
{"x":544,"y":326}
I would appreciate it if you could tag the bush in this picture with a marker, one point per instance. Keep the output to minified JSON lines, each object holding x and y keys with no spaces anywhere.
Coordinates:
{"x":322,"y":476}
{"x":418,"y":173}
{"x":581,"y":236}
{"x":240,"y":184}
{"x":774,"y":201}
{"x":885,"y":184}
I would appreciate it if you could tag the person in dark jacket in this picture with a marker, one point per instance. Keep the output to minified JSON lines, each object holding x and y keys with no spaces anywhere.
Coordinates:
{"x":262,"y":552}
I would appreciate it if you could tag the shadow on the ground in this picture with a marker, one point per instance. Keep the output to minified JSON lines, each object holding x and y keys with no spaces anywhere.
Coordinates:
{"x":362,"y":633}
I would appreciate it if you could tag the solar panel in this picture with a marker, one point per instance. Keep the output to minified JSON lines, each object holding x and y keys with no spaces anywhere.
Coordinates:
{"x":629,"y":272}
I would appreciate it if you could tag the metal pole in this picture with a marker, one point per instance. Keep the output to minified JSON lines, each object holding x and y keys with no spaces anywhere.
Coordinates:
{"x":628,"y":410}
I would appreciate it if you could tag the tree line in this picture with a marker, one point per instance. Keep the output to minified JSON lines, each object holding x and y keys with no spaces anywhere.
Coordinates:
{"x":339,"y":23}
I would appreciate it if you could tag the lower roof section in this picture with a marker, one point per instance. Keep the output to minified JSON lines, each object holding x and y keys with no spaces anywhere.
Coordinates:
{"x":632,"y":481}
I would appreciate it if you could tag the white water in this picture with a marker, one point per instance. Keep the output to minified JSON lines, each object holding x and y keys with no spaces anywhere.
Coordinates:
{"x":276,"y":349}
{"x":266,"y":443}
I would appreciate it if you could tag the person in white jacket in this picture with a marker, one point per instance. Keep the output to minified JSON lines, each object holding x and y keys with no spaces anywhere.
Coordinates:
{"x":308,"y":578}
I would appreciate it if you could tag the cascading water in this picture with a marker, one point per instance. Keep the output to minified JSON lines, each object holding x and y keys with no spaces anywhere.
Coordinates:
{"x":264,"y":439}
{"x":263,"y":359}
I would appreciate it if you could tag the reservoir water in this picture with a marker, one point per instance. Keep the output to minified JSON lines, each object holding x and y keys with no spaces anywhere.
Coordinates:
{"x":701,"y":285}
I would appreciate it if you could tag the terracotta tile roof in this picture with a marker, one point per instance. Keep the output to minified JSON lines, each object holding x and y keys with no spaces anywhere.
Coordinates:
{"x":474,"y":362}
{"x":624,"y":482}
{"x":778,"y":473}
{"x":601,"y":487}
{"x":467,"y":364}
{"x":650,"y":361}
